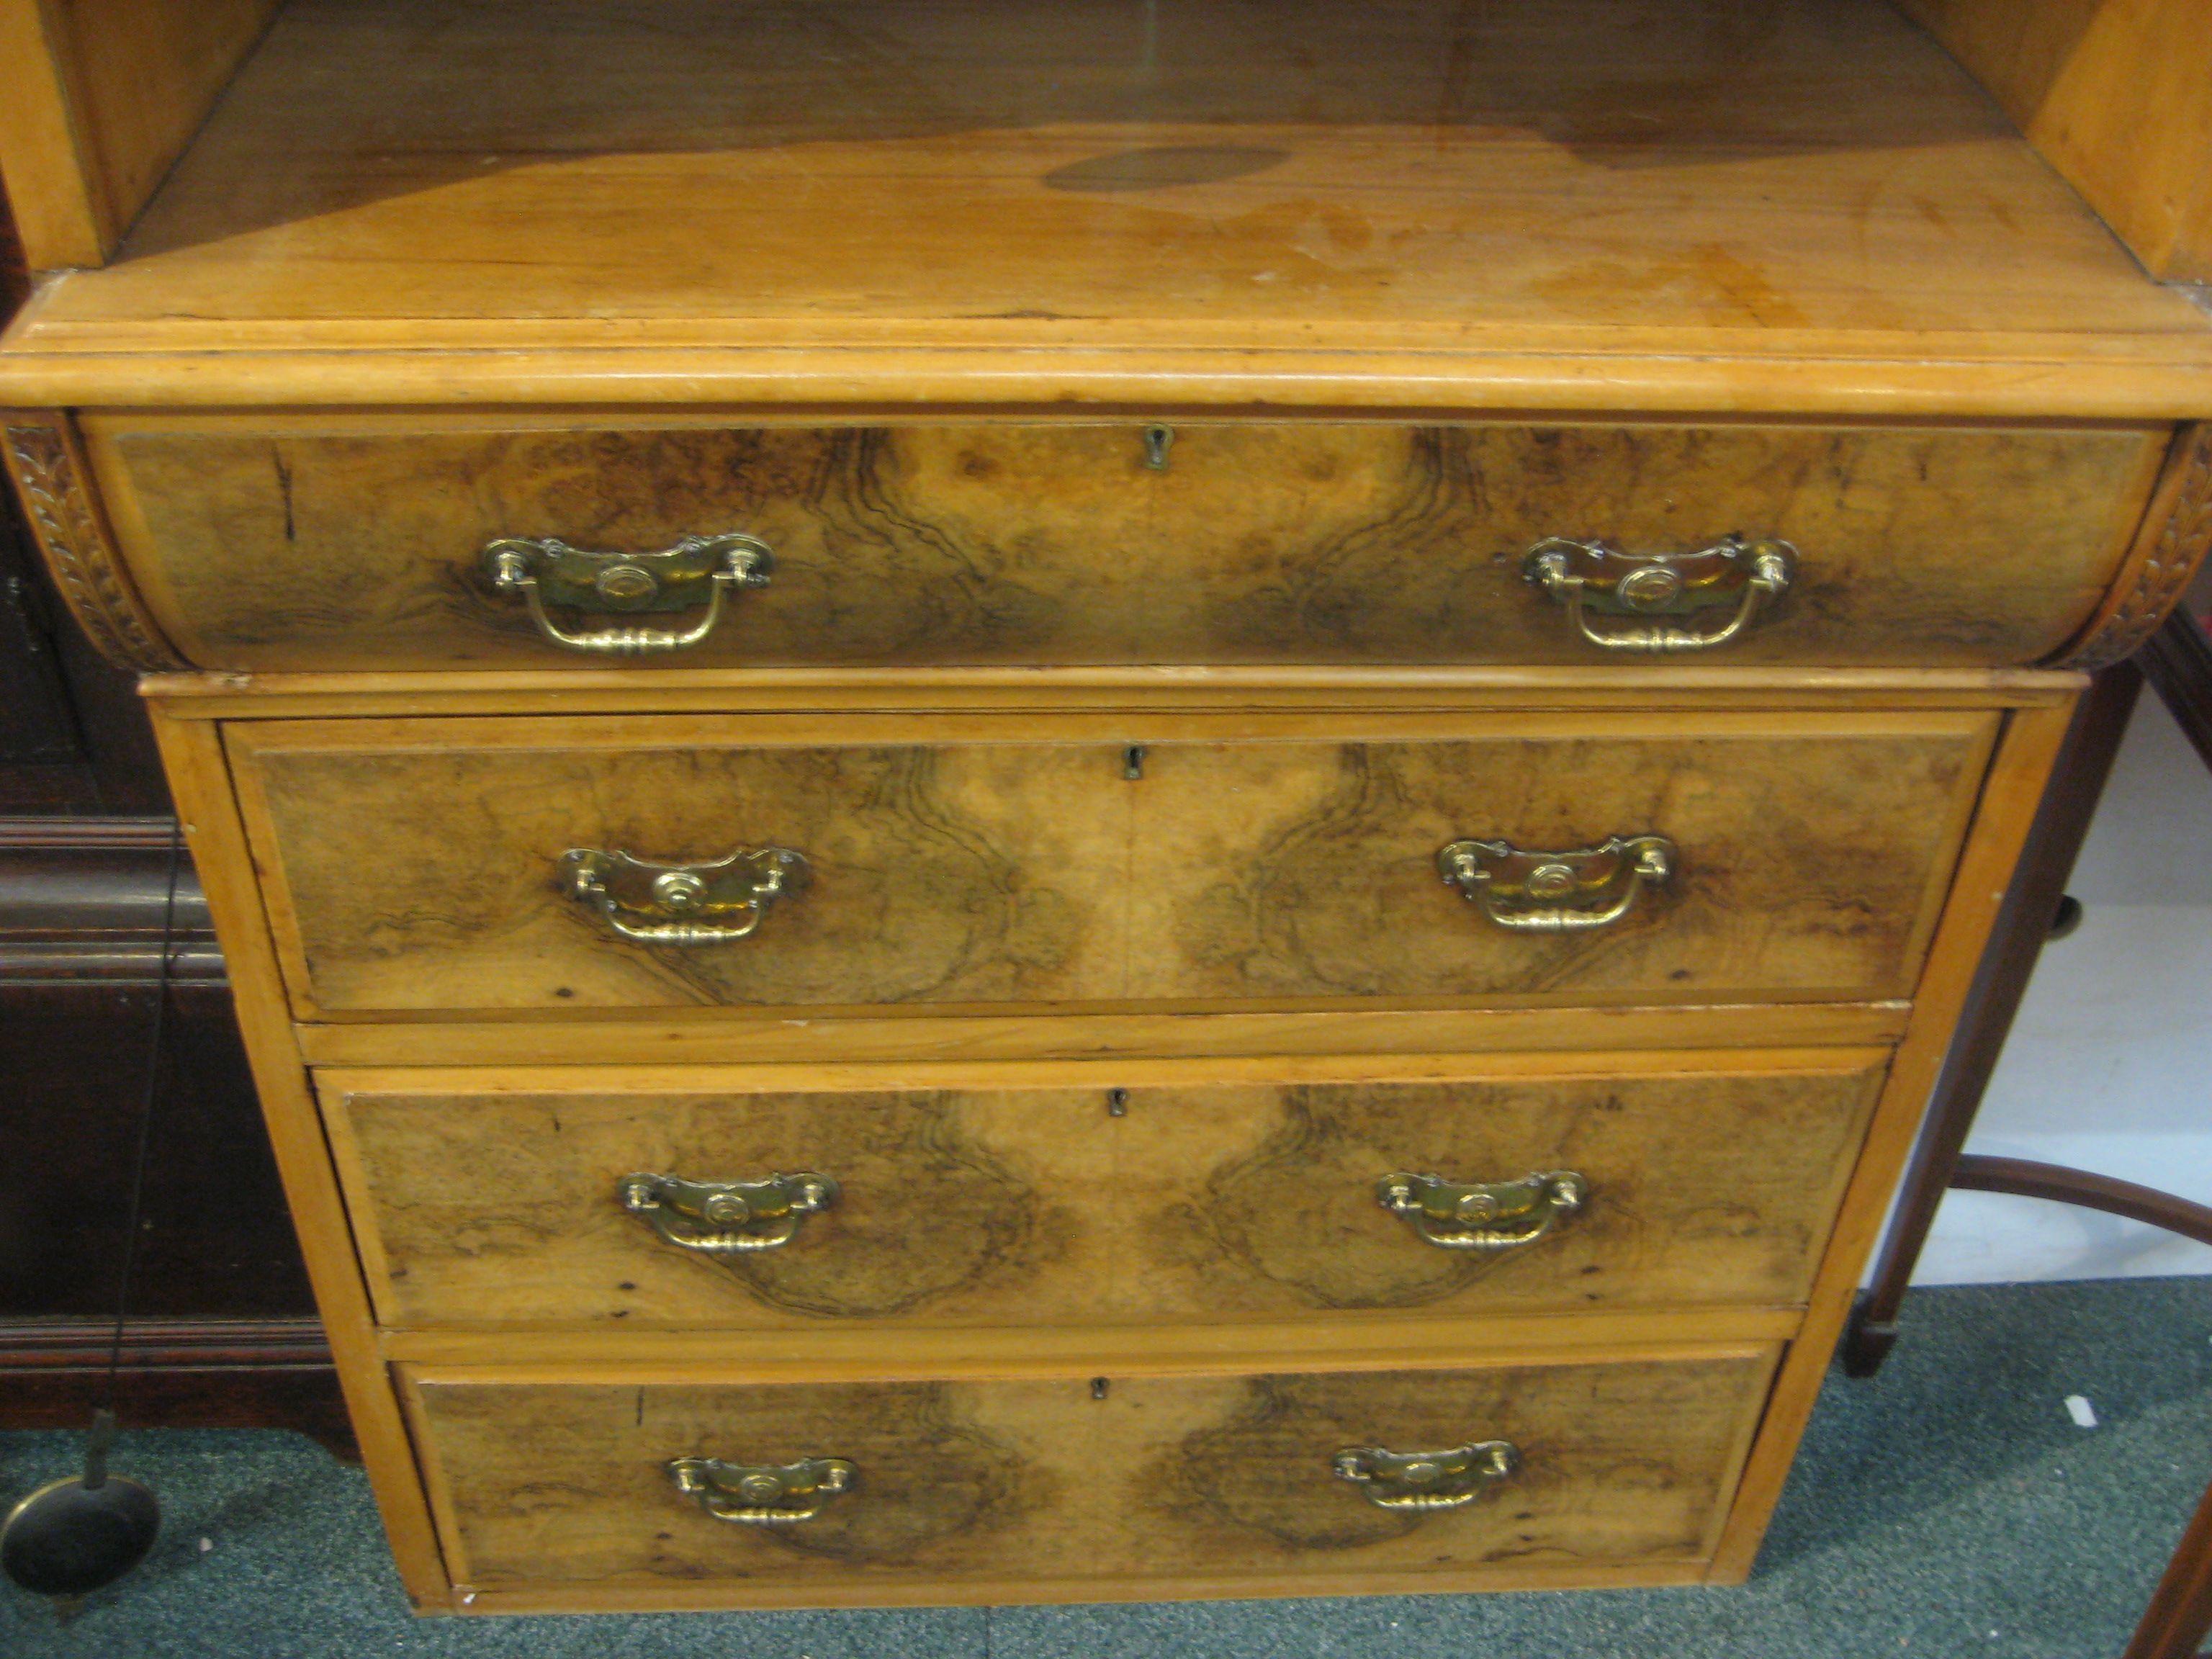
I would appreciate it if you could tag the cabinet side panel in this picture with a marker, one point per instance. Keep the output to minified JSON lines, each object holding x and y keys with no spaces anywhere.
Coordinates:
{"x":192,"y":752}
{"x":111,"y":93}
{"x":46,"y":172}
{"x":2117,"y":96}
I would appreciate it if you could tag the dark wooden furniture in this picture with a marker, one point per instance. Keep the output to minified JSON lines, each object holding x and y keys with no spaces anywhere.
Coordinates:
{"x":222,"y":1330}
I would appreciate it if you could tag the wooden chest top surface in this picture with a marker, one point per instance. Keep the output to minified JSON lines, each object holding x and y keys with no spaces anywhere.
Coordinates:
{"x":1802,"y":203}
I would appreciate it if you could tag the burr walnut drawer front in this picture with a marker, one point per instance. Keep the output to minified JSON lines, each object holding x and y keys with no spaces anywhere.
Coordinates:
{"x":945,"y":1195}
{"x":1054,"y":1487}
{"x":295,"y":545}
{"x":1045,"y":862}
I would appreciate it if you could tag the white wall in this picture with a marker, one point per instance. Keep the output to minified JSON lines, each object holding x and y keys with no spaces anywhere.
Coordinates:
{"x":2109,"y":1066}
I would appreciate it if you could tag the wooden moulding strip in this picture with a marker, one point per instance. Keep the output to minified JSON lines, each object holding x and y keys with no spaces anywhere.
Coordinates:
{"x":200,"y":782}
{"x":834,"y":1076}
{"x":937,"y":691}
{"x":105,"y":425}
{"x":2015,"y":786}
{"x":2157,"y":376}
{"x":1398,"y":1342}
{"x":2175,"y":534}
{"x":1365,"y":1342}
{"x":648,"y":1358}
{"x":85,"y":1346}
{"x":1253,"y":726}
{"x":682,"y":1597}
{"x":716,"y":1037}
{"x":47,"y":461}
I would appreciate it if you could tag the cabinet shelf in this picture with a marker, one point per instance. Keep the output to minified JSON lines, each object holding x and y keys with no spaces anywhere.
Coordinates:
{"x":1802,"y":206}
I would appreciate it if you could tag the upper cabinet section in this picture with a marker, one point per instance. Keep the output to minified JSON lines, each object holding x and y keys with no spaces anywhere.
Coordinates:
{"x":103,"y":97}
{"x":2117,"y":97}
{"x":1690,"y":204}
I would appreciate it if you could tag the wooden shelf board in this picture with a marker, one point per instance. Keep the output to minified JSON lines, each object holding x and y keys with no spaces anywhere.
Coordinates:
{"x":1547,"y":202}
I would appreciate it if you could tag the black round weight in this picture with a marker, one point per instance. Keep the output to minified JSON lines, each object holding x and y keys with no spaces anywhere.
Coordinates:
{"x":69,"y":1539}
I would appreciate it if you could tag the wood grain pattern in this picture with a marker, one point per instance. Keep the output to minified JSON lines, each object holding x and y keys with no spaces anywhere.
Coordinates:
{"x":505,"y":1209}
{"x":788,"y":222}
{"x":2177,"y":532}
{"x":1669,"y":1434}
{"x":1306,"y":870}
{"x":954,"y":876}
{"x":412,"y":864}
{"x":290,"y":550}
{"x":44,"y":460}
{"x":979,"y":1204}
{"x":2117,"y":93}
{"x":1804,"y":207}
{"x":2010,"y":795}
{"x":593,"y":1501}
{"x":1166,"y":1477}
{"x":1703,"y":1189}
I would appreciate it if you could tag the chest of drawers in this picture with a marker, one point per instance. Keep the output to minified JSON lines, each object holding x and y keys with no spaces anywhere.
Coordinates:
{"x":1179,"y":867}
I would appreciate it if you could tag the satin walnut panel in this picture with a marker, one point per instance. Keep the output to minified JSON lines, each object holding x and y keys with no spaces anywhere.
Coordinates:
{"x":1163,"y":1478}
{"x":306,"y":546}
{"x":979,"y":862}
{"x":981,"y":1204}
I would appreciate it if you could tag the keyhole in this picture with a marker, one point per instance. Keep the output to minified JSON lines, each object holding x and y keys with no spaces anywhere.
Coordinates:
{"x":1098,"y":1386}
{"x":1117,"y":1102}
{"x":1157,"y":441}
{"x":1133,"y":760}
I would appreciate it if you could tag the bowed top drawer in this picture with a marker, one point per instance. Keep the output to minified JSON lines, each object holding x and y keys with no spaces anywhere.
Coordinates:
{"x":302,"y":546}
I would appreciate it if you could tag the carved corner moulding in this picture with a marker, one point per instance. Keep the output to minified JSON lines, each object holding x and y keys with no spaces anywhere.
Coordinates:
{"x":50,"y":478}
{"x":2180,"y":521}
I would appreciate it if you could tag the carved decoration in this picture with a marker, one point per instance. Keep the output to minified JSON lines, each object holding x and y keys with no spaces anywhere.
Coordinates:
{"x":2165,"y":570}
{"x":86,"y":569}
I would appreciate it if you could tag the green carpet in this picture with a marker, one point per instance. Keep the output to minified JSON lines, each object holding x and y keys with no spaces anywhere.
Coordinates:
{"x":1949,"y":1507}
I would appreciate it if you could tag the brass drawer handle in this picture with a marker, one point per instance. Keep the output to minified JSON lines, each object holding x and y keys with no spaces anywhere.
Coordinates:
{"x":761,"y":1494}
{"x":715,"y":903}
{"x":727,"y":1218}
{"x":697,"y":569}
{"x":1590,"y":577}
{"x":1487,"y":1215}
{"x":1556,"y":892}
{"x":1427,"y":1481}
